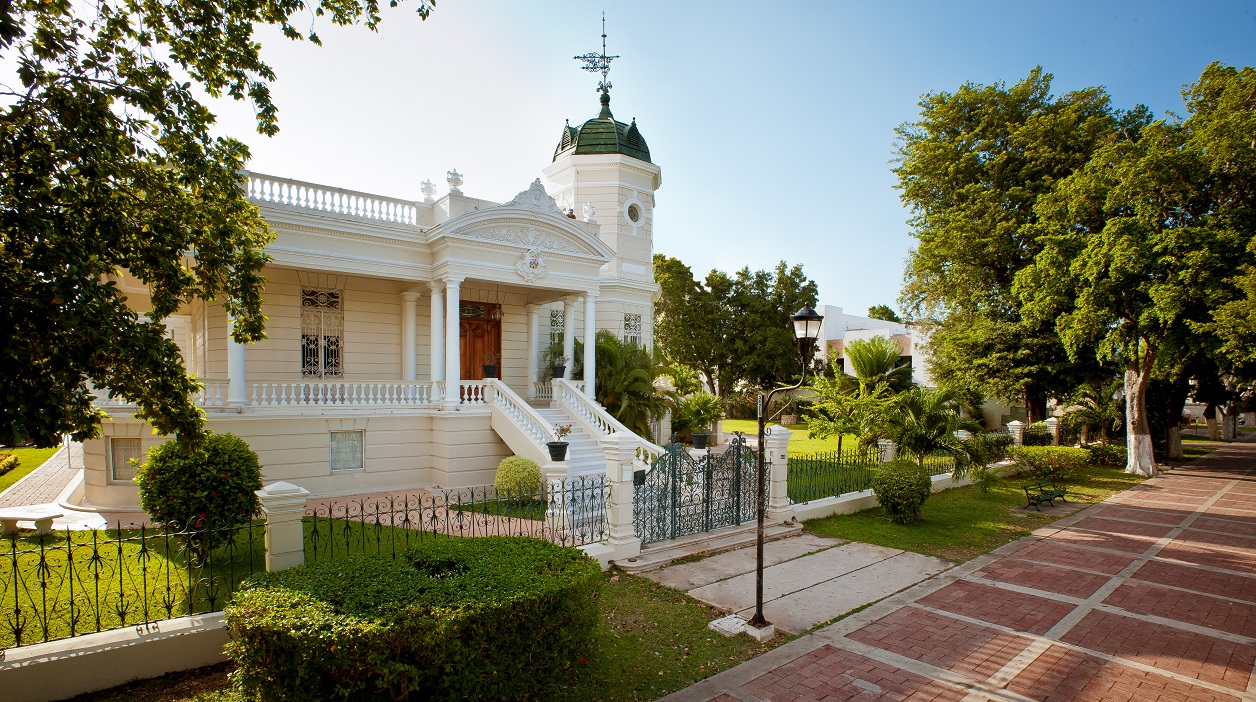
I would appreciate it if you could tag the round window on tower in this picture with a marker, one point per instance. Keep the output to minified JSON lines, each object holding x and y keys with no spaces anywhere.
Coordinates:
{"x":635,"y":214}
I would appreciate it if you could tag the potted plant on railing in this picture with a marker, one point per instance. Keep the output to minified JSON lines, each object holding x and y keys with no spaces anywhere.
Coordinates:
{"x":560,"y":367}
{"x":700,"y":412}
{"x":490,"y":367}
{"x":558,"y":447}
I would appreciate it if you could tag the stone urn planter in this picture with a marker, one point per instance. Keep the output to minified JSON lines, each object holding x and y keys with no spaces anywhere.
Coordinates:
{"x":490,"y":370}
{"x":557,"y":450}
{"x":700,"y":440}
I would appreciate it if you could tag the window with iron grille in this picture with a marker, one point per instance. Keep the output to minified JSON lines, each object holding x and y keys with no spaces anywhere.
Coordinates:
{"x":632,"y":329}
{"x":322,"y":327}
{"x":556,"y":326}
{"x":121,"y":451}
{"x":346,"y":450}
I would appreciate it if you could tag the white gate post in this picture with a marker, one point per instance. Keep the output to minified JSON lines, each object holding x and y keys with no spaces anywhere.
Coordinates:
{"x":284,"y":505}
{"x":1053,"y":425}
{"x":1017,"y":429}
{"x":776,"y":451}
{"x":620,"y":449}
{"x":888,"y":451}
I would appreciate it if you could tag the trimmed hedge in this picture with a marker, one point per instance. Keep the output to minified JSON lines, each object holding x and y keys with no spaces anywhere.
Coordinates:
{"x":8,"y":462}
{"x":1110,"y":455}
{"x":902,"y":487}
{"x":1050,"y":462}
{"x":209,"y":484}
{"x":517,"y":476}
{"x":493,"y":618}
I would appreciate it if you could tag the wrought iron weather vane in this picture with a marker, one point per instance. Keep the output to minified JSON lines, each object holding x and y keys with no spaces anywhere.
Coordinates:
{"x":599,"y":63}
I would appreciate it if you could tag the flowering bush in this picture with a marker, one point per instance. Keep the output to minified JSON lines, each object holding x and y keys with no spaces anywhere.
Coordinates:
{"x":561,"y":431}
{"x":204,"y":486}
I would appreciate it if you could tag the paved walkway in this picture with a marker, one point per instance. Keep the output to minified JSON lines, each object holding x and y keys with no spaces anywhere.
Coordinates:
{"x":43,"y":484}
{"x":807,"y":579}
{"x":1150,"y":595}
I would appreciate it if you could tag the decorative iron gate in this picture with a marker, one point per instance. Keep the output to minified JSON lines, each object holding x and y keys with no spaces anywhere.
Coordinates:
{"x":682,"y":495}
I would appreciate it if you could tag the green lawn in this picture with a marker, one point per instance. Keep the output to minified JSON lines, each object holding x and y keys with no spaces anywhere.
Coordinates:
{"x":651,"y":641}
{"x":30,"y":459}
{"x":960,"y":523}
{"x":1195,"y":446}
{"x":800,"y":442}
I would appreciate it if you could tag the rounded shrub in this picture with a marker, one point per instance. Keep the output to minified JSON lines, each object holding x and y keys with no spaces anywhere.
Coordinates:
{"x":902,"y":488}
{"x":492,"y":618}
{"x":208,"y":484}
{"x":517,"y":475}
{"x":1050,"y":462}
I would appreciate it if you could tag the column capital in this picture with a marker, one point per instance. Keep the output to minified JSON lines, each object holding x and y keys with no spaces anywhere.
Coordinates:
{"x":591,"y":294}
{"x":411,"y":295}
{"x":534,"y":306}
{"x":436,"y":285}
{"x":452,"y":280}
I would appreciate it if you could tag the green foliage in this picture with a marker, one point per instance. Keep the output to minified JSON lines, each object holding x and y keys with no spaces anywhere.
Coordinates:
{"x":971,"y":168}
{"x":1105,"y":454}
{"x":8,"y":462}
{"x":452,"y":618}
{"x":876,"y":361}
{"x":923,"y":421}
{"x":700,"y":412}
{"x":984,"y":479}
{"x":517,"y":475}
{"x":842,"y":409}
{"x":1095,"y":407}
{"x":902,"y":488}
{"x":624,"y":378}
{"x":732,"y":329}
{"x":884,"y":312}
{"x":212,"y":482}
{"x":1050,"y":462}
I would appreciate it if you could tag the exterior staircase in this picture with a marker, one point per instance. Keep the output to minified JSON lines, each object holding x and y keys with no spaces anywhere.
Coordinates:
{"x":584,"y":454}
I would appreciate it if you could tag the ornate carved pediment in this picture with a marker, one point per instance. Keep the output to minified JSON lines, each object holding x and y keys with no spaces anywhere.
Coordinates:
{"x":527,"y":237}
{"x":532,"y":266}
{"x":535,"y":199}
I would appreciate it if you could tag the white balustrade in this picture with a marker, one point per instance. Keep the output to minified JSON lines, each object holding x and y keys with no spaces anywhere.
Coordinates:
{"x":295,"y":193}
{"x":543,"y":390}
{"x":472,"y":392}
{"x":521,"y":413}
{"x":598,"y":422}
{"x":304,"y":394}
{"x":214,"y":394}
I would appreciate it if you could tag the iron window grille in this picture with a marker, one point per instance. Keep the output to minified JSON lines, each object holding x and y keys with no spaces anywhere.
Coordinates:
{"x":121,"y":451}
{"x":322,"y":327}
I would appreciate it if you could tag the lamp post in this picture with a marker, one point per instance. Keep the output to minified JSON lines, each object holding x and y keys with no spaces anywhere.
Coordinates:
{"x":806,"y":331}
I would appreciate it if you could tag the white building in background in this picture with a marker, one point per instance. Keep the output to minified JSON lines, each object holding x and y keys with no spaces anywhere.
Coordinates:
{"x":383,"y":313}
{"x":839,"y":328}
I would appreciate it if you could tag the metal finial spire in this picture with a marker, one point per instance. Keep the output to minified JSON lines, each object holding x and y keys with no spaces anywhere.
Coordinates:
{"x":599,"y":63}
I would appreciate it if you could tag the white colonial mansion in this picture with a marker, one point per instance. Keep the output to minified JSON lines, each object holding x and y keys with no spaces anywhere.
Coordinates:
{"x":383,"y":313}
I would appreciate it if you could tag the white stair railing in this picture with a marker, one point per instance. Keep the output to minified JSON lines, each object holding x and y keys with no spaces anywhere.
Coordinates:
{"x":524,"y":430}
{"x":594,"y":419}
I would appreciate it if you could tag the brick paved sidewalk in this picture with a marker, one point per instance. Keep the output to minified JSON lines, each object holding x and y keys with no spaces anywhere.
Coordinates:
{"x":43,"y":484}
{"x":1149,"y":595}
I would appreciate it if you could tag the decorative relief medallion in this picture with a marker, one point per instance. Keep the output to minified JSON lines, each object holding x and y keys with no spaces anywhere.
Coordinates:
{"x":536,"y":200}
{"x":532,"y":266}
{"x":527,"y":237}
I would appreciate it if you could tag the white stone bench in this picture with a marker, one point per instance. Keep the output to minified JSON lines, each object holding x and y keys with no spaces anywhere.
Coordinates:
{"x":42,"y":516}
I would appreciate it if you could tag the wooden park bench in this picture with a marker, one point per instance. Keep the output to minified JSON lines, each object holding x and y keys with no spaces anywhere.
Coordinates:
{"x":42,"y":516}
{"x":1043,"y":491}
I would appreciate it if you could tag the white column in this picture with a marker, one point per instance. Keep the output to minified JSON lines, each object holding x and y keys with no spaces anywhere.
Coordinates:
{"x":284,"y":505}
{"x":1017,"y":429}
{"x":534,"y":317}
{"x":409,"y":334}
{"x":569,"y":335}
{"x":237,"y":373}
{"x":453,"y":371}
{"x":776,"y":449}
{"x":590,"y":342}
{"x":438,"y":330}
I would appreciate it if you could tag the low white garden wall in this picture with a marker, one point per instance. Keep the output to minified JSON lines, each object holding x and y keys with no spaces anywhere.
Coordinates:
{"x":864,"y":499}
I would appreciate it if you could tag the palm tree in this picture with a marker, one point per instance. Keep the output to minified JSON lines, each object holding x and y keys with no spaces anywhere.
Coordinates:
{"x":875,"y":361}
{"x":625,"y":383}
{"x":923,"y":421}
{"x":1094,"y":406}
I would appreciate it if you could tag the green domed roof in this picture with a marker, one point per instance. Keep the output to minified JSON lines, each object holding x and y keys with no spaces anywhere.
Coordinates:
{"x":603,"y":135}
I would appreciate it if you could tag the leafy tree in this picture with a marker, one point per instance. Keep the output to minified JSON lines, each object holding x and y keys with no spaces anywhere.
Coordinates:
{"x":875,"y":361}
{"x":884,"y":312}
{"x":923,"y":421}
{"x":1095,"y":406}
{"x":731,"y":329}
{"x":625,"y":383}
{"x":971,"y":169}
{"x":841,"y":409}
{"x":109,"y":168}
{"x":1136,"y":240}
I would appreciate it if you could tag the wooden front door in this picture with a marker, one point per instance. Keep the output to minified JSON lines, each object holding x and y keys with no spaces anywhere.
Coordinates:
{"x":478,"y":337}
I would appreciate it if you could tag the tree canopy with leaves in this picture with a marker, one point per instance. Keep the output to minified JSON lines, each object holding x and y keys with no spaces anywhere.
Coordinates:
{"x":732,"y":329}
{"x":884,"y":312}
{"x":109,"y":168}
{"x":971,"y":169}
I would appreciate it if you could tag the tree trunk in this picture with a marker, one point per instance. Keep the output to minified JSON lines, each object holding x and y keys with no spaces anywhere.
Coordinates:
{"x":1210,"y":418}
{"x":1085,"y":434}
{"x":1035,"y":406}
{"x":1141,"y":458}
{"x":1177,"y":400}
{"x":1230,"y":423}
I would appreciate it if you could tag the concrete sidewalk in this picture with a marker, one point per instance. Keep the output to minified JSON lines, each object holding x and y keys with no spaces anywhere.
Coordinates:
{"x":1150,"y":595}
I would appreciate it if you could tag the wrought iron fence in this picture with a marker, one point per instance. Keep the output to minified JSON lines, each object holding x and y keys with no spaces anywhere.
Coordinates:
{"x":685,"y":494}
{"x":569,"y":512}
{"x":69,"y":583}
{"x":831,"y":473}
{"x":939,"y":463}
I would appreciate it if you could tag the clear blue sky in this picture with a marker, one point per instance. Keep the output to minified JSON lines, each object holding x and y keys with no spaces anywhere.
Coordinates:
{"x":773,"y":122}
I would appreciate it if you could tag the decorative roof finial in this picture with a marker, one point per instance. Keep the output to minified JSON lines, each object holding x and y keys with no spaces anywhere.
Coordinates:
{"x":599,"y":63}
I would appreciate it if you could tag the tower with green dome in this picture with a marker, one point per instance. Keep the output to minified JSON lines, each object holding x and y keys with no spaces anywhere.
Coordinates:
{"x":604,"y":174}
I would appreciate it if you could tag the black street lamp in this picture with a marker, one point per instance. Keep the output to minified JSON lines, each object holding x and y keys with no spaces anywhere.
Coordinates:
{"x":806,"y":331}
